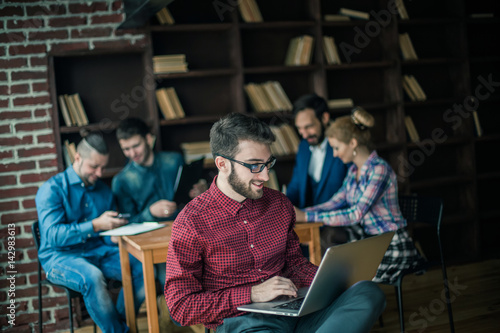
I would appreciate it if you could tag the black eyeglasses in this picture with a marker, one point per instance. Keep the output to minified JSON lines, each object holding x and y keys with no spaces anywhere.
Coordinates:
{"x":256,"y":167}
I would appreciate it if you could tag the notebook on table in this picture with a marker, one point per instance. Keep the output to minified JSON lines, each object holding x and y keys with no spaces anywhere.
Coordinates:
{"x":341,"y":267}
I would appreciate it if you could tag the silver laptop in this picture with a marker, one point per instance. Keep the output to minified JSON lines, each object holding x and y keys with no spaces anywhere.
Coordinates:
{"x":341,"y":267}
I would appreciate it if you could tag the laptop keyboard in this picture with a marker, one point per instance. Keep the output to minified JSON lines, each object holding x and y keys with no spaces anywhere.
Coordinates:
{"x":292,"y":305}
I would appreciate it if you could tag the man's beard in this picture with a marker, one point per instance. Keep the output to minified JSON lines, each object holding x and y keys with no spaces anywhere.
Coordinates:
{"x":241,"y":188}
{"x":320,"y":138}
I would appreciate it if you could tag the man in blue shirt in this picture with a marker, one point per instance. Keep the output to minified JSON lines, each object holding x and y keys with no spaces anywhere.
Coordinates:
{"x":73,"y":207}
{"x":145,"y":187}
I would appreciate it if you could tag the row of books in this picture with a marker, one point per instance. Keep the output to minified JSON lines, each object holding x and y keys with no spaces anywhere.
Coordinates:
{"x":413,"y":88}
{"x":165,"y":17}
{"x":406,"y":46}
{"x":171,"y":63}
{"x":268,"y":97}
{"x":287,"y":140}
{"x":169,"y":103}
{"x":193,"y":151}
{"x":330,"y":50}
{"x":72,"y":110}
{"x":299,"y":51}
{"x":249,"y":11}
{"x":413,"y":133}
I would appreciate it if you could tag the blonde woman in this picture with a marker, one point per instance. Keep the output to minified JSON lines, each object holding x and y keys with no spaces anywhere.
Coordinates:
{"x":367,"y":203}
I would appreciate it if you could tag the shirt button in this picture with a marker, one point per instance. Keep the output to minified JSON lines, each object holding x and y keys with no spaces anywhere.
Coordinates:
{"x":251,"y":245}
{"x":89,"y":235}
{"x":86,"y":204}
{"x":82,"y":184}
{"x":260,"y":270}
{"x":261,"y":280}
{"x":245,"y":222}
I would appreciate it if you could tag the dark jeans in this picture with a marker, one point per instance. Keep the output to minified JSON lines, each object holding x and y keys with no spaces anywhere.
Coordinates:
{"x":356,"y":310}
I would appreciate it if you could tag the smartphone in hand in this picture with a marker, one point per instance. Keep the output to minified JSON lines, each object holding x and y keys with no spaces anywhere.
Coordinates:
{"x":123,"y":216}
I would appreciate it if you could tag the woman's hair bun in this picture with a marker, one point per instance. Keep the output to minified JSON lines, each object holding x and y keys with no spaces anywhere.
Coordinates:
{"x":361,"y":118}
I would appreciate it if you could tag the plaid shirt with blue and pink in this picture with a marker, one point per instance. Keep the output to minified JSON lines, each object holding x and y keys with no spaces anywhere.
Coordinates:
{"x":371,"y":201}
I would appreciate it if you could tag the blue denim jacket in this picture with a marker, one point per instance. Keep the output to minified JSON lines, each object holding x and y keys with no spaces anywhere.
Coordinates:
{"x":137,"y":187}
{"x":66,"y":208}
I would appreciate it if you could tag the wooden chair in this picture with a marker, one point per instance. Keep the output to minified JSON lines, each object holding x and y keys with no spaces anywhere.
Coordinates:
{"x":70,"y":293}
{"x":426,"y":210}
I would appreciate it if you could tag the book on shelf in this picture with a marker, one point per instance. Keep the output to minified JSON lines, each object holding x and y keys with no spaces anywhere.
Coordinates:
{"x":250,"y":11}
{"x":178,"y":109}
{"x":340,"y":103}
{"x":400,"y":5}
{"x":331,"y":51}
{"x":336,"y":18}
{"x":165,"y":17}
{"x":169,"y":103}
{"x":357,"y":14}
{"x":69,"y":151}
{"x":173,"y":63}
{"x":267,"y":97}
{"x":278,"y":147}
{"x":67,"y":117}
{"x":79,"y":106}
{"x":72,"y":110}
{"x":406,"y":46}
{"x":292,"y":137}
{"x":477,"y":124}
{"x":411,"y":129}
{"x":413,"y":88}
{"x":299,"y":51}
{"x":287,"y":140}
{"x":273,"y":181}
{"x":195,"y":150}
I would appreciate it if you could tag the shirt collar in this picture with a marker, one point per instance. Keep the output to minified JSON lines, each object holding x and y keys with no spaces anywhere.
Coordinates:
{"x":231,"y":205}
{"x":369,"y":161}
{"x":74,"y":179}
{"x":143,"y":169}
{"x":321,"y":147}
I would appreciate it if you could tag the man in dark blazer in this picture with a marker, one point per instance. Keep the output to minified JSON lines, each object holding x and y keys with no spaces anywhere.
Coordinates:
{"x":317,"y":175}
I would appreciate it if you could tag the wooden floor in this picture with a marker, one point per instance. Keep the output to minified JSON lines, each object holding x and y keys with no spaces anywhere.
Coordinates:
{"x":475,"y":294}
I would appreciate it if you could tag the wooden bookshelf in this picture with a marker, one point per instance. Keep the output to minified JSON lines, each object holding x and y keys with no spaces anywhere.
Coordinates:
{"x":224,"y":53}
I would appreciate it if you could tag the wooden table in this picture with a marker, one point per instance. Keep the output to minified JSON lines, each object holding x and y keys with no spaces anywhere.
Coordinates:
{"x":151,"y":248}
{"x":309,"y":234}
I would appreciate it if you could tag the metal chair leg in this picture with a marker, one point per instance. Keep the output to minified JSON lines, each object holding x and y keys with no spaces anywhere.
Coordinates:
{"x":40,"y":312}
{"x":70,"y":312}
{"x":399,"y":293}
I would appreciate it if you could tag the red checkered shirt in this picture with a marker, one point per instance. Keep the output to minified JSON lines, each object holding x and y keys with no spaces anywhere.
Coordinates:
{"x":220,"y":248}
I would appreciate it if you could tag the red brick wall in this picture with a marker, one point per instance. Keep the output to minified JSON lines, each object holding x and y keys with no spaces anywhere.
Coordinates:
{"x":29,"y":29}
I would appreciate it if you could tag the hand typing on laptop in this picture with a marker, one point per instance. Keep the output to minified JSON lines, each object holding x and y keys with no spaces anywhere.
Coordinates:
{"x":272,"y":288}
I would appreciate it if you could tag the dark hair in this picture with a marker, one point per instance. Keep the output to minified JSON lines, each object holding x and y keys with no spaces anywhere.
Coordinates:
{"x":93,"y":141}
{"x":130,"y":127}
{"x":226,"y":133}
{"x":310,"y":101}
{"x":356,"y":125}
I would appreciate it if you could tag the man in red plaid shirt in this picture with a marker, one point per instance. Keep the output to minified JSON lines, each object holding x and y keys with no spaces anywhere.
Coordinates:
{"x":235,"y":244}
